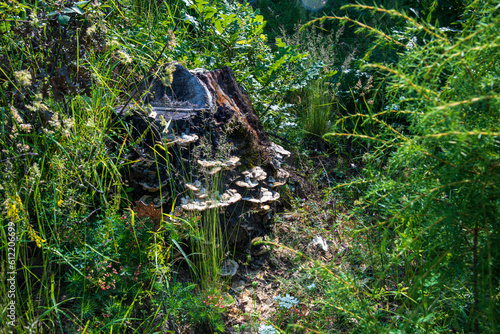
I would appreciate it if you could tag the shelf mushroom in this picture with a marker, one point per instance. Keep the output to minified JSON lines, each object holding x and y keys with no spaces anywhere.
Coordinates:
{"x":252,"y":178}
{"x":279,"y":179}
{"x":199,"y":191}
{"x":157,"y":202}
{"x":231,"y":196}
{"x":213,"y":167}
{"x":183,"y":140}
{"x":196,"y":186}
{"x":265,"y":196}
{"x":278,"y":153}
{"x":153,"y":186}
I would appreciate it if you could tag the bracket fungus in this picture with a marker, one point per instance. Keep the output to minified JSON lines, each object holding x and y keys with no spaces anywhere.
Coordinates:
{"x":202,"y":194}
{"x":193,"y":205}
{"x":231,"y":196}
{"x":263,"y":209}
{"x":252,"y":177}
{"x":256,"y":173}
{"x":228,"y":268}
{"x":265,"y":196}
{"x":199,"y":191}
{"x":280,"y":152}
{"x":247,"y":183}
{"x":157,"y":202}
{"x":146,"y":200}
{"x":212,"y":167}
{"x":183,"y":140}
{"x":153,"y":186}
{"x":279,"y":179}
{"x":196,"y":186}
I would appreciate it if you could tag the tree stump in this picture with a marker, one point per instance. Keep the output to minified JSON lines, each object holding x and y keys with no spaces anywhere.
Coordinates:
{"x":199,"y":147}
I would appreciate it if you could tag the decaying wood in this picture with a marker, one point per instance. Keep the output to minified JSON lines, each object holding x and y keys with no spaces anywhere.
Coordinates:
{"x":200,"y":146}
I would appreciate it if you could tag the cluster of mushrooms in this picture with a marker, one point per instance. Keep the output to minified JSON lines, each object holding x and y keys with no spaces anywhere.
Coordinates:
{"x":253,"y":186}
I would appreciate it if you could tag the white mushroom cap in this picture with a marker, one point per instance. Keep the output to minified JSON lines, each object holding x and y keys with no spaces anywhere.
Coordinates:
{"x":247,"y":183}
{"x":209,"y":164}
{"x":214,"y":170}
{"x":277,"y":184}
{"x":199,"y":191}
{"x":263,"y":209}
{"x":282,"y":174}
{"x":229,"y":197}
{"x":281,"y":177}
{"x":188,"y":138}
{"x":252,"y":178}
{"x":256,"y":173}
{"x":232,"y":162}
{"x":202,"y":193}
{"x":268,"y":196}
{"x":194,"y":206}
{"x":280,"y":150}
{"x":265,"y":196}
{"x":182,"y":140}
{"x":193,"y":187}
{"x":216,"y":166}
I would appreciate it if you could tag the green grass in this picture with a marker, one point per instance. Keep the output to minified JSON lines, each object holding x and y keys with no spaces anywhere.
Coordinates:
{"x":317,"y":117}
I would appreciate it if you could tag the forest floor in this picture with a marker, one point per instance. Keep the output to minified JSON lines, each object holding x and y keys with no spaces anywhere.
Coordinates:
{"x":313,"y":228}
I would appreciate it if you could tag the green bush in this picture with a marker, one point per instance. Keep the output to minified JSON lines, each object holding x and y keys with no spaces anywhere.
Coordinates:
{"x":437,"y":188}
{"x":232,"y":34}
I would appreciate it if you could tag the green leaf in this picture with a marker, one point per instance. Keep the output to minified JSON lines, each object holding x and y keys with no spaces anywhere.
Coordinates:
{"x":218,"y":26}
{"x":280,"y":43}
{"x":53,"y":13}
{"x":63,"y":19}
{"x":200,"y":4}
{"x":72,"y":10}
{"x":81,"y":3}
{"x":77,"y":10}
{"x":209,"y":12}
